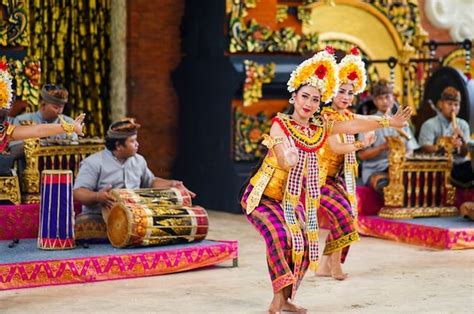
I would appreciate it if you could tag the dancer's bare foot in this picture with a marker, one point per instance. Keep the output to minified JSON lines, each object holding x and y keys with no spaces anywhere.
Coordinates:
{"x":291,"y":307}
{"x":324,"y":269}
{"x":336,"y":267}
{"x":339,"y":276}
{"x":277,"y":303}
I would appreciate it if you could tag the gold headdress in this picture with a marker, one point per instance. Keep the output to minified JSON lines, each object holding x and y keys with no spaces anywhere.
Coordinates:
{"x":6,"y":92}
{"x":352,"y":71}
{"x":319,"y":71}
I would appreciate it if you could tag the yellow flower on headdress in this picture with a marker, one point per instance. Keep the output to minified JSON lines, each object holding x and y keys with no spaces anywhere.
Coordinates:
{"x":319,"y":71}
{"x":352,"y":71}
{"x":6,"y":92}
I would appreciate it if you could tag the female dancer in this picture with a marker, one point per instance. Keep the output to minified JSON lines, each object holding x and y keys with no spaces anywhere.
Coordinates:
{"x":339,"y":168}
{"x":289,"y":173}
{"x":10,"y":132}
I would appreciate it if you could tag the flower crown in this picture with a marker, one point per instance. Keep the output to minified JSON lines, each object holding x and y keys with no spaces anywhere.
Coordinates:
{"x":352,"y":71}
{"x":319,"y":71}
{"x":6,"y":92}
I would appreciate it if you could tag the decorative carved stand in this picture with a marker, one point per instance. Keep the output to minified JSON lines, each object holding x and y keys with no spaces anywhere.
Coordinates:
{"x":62,"y":157}
{"x":419,"y":185}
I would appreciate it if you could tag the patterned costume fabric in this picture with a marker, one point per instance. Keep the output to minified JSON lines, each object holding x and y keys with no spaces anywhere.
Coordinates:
{"x":336,"y":204}
{"x":289,"y":228}
{"x":338,"y":195}
{"x":268,"y":218}
{"x":307,"y":140}
{"x":350,"y":160}
{"x":6,"y":130}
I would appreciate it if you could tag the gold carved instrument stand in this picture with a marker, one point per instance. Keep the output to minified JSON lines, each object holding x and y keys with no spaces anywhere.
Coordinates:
{"x":419,"y":185}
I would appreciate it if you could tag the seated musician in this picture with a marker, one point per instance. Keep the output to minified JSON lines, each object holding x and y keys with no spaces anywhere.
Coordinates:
{"x":446,"y":123}
{"x":118,"y":166}
{"x":53,"y":99}
{"x":9,"y":132}
{"x":375,"y":157}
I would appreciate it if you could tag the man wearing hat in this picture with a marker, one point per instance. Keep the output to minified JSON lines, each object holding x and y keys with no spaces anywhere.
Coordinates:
{"x":375,"y":157}
{"x":53,"y":98}
{"x":446,"y":123}
{"x":118,"y":166}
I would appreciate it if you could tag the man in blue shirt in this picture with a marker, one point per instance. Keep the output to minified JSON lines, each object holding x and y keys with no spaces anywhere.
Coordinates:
{"x":375,"y":157}
{"x":118,"y":166}
{"x":52,"y":102}
{"x":446,"y":123}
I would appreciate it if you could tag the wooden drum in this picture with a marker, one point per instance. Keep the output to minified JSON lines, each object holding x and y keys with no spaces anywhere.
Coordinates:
{"x":151,"y":220}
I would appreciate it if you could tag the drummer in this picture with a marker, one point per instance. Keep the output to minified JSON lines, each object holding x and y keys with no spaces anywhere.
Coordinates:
{"x":118,"y":166}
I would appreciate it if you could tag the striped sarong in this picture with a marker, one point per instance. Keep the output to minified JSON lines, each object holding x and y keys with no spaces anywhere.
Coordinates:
{"x":335,"y":203}
{"x":269,"y":220}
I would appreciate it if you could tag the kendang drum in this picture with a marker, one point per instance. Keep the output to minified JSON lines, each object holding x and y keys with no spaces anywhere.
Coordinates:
{"x":144,"y":223}
{"x":172,"y":196}
{"x":56,"y":225}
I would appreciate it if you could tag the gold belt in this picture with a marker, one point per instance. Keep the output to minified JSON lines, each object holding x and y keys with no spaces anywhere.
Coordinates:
{"x":333,"y":171}
{"x":275,"y":188}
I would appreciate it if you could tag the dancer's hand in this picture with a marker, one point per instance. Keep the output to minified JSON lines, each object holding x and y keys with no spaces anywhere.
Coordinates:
{"x":290,"y":152}
{"x":369,"y":139}
{"x":79,"y":124}
{"x":399,"y":120}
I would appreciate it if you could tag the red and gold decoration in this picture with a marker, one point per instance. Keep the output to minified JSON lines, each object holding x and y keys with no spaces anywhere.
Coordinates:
{"x":6,"y":92}
{"x":248,"y":35}
{"x":146,"y":217}
{"x":248,"y":135}
{"x":419,"y":185}
{"x":417,"y":234}
{"x":319,"y":71}
{"x":352,"y":71}
{"x":27,"y":75}
{"x":104,"y":264}
{"x":461,"y":59}
{"x":255,"y":76}
{"x":447,"y":233}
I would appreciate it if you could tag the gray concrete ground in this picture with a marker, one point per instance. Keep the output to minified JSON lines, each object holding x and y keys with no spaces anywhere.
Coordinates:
{"x":384,"y":277}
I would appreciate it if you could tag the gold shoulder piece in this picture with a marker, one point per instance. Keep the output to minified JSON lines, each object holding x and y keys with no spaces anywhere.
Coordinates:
{"x":10,"y":129}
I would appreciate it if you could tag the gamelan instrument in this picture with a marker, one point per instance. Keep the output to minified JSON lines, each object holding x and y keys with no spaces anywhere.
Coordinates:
{"x":146,"y":217}
{"x":56,"y":226}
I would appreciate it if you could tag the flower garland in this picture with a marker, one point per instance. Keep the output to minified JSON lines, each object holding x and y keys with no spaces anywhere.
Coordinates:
{"x":352,"y":71}
{"x":319,"y":71}
{"x":6,"y":92}
{"x":302,"y":141}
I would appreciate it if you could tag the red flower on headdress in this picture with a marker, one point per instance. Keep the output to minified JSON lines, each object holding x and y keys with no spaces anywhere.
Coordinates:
{"x":352,"y":76}
{"x":3,"y":66}
{"x":468,"y":76}
{"x":321,"y":71}
{"x":355,"y":51}
{"x":330,"y":50}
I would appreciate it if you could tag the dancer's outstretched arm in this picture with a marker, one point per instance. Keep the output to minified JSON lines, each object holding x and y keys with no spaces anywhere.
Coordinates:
{"x":22,"y":132}
{"x":399,"y":120}
{"x":341,"y":148}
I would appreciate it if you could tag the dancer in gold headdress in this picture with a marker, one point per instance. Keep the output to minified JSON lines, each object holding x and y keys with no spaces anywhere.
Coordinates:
{"x":289,"y":173}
